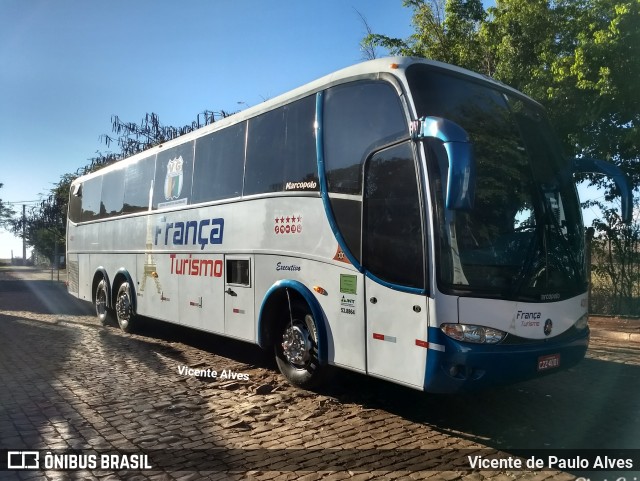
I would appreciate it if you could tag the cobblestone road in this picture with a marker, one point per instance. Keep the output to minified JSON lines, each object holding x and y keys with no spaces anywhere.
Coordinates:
{"x":66,"y":382}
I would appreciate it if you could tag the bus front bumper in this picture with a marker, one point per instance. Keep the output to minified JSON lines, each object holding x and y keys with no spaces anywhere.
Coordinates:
{"x":464,"y":366}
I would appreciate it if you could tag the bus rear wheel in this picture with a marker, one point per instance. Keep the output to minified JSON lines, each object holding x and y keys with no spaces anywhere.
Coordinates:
{"x":124,"y":307}
{"x":296,"y":348}
{"x":100,"y":301}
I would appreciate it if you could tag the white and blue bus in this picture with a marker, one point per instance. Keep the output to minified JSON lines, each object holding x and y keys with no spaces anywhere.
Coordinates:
{"x":401,"y":218}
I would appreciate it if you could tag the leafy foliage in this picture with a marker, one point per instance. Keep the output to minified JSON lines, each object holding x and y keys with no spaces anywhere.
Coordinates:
{"x":132,"y":138}
{"x":577,"y":57}
{"x":6,"y":212}
{"x":45,"y":223}
{"x":616,"y":265}
{"x":580,"y":59}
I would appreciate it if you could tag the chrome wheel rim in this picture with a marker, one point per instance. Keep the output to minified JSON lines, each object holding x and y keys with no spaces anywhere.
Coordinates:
{"x":296,"y":345}
{"x":101,"y":303}
{"x":123,"y":307}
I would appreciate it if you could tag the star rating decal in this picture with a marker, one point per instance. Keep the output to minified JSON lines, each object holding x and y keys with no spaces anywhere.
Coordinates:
{"x":291,"y":224}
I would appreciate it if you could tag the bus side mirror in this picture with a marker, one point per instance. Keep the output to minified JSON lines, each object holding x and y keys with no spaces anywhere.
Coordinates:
{"x":461,"y":180}
{"x":588,"y":165}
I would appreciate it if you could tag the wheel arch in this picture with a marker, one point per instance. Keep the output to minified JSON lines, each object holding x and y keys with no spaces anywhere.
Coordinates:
{"x":275,"y":301}
{"x":100,"y":274}
{"x":123,"y":276}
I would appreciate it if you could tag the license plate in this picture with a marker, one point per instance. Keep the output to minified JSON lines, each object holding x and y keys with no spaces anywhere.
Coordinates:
{"x":548,"y":362}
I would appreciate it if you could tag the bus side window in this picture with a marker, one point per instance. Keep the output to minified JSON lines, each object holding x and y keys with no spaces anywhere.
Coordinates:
{"x":137,"y":181}
{"x":393,"y":241}
{"x":91,"y":192}
{"x":219,"y":164}
{"x":238,"y":272}
{"x":358,"y":118}
{"x":112,"y":193}
{"x":281,"y":149}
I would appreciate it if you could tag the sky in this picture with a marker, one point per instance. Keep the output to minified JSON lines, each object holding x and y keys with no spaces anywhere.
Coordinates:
{"x":67,"y":66}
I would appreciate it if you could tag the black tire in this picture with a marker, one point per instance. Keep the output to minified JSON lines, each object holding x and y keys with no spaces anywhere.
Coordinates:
{"x":104,"y":313}
{"x":296,"y":347}
{"x":124,"y":307}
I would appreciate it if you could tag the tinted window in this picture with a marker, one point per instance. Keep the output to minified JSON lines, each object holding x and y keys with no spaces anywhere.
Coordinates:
{"x":219,"y":164}
{"x":137,"y":183}
{"x":238,"y":272}
{"x":112,"y":193}
{"x":91,"y":192}
{"x":281,"y":150}
{"x":174,"y":170}
{"x":358,"y":117}
{"x":393,"y":249}
{"x":348,"y":216}
{"x":522,"y":239}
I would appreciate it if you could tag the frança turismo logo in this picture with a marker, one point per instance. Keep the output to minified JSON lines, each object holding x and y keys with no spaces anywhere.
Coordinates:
{"x":174,"y":179}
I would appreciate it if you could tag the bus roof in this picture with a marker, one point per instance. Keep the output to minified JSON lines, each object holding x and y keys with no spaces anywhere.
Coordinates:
{"x":389,"y":65}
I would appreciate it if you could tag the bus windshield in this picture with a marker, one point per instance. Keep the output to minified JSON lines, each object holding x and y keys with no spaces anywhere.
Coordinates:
{"x":522,"y":240}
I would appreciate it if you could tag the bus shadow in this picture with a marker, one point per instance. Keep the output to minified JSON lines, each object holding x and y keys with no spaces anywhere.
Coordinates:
{"x":144,"y":351}
{"x":239,"y":351}
{"x":41,"y":297}
{"x":85,"y":382}
{"x":592,"y":406}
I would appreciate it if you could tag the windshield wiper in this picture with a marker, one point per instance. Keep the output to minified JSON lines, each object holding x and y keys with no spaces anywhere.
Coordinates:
{"x":542,"y":242}
{"x":530,"y":257}
{"x":564,"y":242}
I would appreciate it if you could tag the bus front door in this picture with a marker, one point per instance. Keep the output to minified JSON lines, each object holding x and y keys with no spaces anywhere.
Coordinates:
{"x":393,"y":253}
{"x":396,"y":334}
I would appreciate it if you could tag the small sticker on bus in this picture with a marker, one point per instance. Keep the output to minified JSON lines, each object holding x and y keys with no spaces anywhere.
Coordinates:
{"x":340,"y":256}
{"x":348,"y":305}
{"x":288,"y":224}
{"x":348,"y":284}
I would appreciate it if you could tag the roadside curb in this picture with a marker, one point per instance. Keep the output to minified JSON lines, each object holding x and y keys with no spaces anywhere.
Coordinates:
{"x":616,"y":336}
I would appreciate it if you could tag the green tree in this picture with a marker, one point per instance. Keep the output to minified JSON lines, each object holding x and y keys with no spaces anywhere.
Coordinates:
{"x":6,"y":212}
{"x":576,"y":57}
{"x":519,"y":38}
{"x":579,"y":58}
{"x":132,"y":138}
{"x":593,"y":97}
{"x":444,"y":31}
{"x":616,"y":265}
{"x":45,"y":225}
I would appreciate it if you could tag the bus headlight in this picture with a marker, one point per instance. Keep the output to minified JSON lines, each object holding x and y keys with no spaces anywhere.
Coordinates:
{"x":581,"y":324}
{"x":471,"y":333}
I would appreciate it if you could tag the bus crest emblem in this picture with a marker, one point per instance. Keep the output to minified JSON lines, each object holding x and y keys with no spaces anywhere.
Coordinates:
{"x":174,"y":179}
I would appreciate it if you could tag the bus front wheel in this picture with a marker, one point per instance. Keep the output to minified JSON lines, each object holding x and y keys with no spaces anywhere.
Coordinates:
{"x":296,"y":348}
{"x":124,"y":307}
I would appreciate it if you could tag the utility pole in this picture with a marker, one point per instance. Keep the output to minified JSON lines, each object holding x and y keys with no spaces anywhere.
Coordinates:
{"x":24,"y":234}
